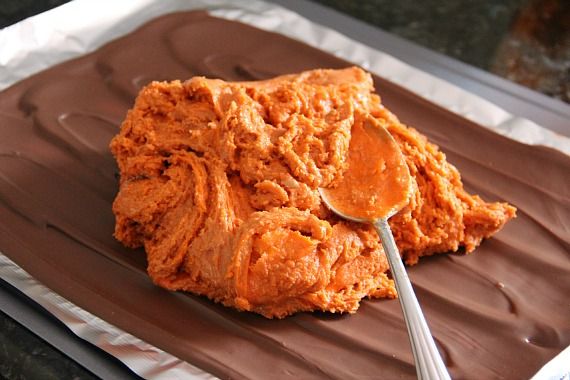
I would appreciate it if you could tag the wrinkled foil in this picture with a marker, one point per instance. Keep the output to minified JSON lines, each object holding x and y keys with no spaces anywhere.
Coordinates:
{"x":82,"y":26}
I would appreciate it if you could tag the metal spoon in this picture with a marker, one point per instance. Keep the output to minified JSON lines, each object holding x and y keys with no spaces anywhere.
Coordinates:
{"x":375,"y":187}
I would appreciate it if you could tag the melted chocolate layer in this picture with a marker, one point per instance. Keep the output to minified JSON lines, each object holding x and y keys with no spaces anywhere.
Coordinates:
{"x":501,"y":312}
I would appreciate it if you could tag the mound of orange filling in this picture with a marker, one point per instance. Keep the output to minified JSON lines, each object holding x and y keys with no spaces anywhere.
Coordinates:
{"x":219,"y":184}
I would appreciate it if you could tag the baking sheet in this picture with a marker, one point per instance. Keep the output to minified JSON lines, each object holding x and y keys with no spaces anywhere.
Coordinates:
{"x":35,"y":44}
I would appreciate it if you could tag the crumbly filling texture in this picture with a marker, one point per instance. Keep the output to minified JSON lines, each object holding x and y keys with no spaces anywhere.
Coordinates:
{"x":218,"y":183}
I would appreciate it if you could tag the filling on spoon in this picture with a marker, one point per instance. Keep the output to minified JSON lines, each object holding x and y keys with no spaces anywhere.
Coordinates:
{"x":377,"y":182}
{"x":219,"y":183}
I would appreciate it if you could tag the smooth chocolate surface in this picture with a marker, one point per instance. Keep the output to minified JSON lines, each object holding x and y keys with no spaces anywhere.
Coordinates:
{"x":501,"y":312}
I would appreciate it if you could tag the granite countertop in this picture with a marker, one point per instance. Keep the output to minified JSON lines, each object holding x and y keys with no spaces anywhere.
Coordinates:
{"x":525,"y":41}
{"x":25,"y":356}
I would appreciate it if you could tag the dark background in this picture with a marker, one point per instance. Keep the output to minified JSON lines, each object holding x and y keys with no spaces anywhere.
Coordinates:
{"x":526,"y":41}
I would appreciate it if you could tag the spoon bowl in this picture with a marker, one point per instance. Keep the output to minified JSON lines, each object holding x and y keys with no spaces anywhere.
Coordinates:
{"x":376,"y":185}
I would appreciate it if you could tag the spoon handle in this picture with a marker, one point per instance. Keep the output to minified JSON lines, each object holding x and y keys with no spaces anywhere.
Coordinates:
{"x":429,"y":365}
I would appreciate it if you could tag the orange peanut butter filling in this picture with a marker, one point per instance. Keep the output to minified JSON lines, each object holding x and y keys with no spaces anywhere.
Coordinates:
{"x":219,"y":185}
{"x":376,"y":183}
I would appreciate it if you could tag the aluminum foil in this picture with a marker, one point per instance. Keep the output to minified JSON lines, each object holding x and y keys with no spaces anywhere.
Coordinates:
{"x":82,"y":26}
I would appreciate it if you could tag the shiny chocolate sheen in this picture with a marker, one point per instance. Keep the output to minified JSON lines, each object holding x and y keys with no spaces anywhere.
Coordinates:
{"x":501,"y":312}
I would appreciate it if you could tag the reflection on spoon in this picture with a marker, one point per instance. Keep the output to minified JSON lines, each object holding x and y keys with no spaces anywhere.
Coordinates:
{"x":376,"y":185}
